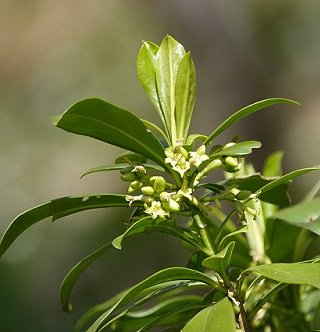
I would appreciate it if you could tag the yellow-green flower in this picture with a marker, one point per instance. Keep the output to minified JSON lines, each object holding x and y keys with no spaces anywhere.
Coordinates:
{"x":199,"y":156}
{"x":156,"y":210}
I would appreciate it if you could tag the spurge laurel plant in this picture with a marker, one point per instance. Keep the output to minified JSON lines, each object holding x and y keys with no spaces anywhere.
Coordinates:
{"x":251,"y":267}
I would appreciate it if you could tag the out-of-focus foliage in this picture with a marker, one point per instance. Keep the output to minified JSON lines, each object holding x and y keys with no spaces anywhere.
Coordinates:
{"x":55,"y":52}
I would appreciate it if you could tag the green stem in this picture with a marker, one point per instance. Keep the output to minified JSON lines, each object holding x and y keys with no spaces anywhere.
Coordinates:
{"x":204,"y":234}
{"x":243,"y":321}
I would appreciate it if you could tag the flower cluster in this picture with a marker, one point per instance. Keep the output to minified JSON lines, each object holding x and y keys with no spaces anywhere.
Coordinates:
{"x":154,"y":191}
{"x":160,"y":197}
{"x":181,"y":160}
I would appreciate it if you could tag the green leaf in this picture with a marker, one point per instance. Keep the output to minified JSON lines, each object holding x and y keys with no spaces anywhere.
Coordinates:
{"x":191,"y":138}
{"x":242,"y":229}
{"x":220,"y":261}
{"x":74,"y":274}
{"x":239,"y":149}
{"x":220,"y":317}
{"x":148,"y":224}
{"x":169,"y":274}
{"x":145,"y":295}
{"x":178,"y":314}
{"x":246,"y":111}
{"x":272,"y":165}
{"x":216,"y":188}
{"x":163,"y":313}
{"x":185,"y":92}
{"x":285,"y":178}
{"x":58,"y":208}
{"x":305,"y":215}
{"x":290,"y":273}
{"x":280,"y":240}
{"x":166,"y":67}
{"x":104,"y":168}
{"x":118,"y":167}
{"x":147,"y":75}
{"x":111,"y":124}
{"x":277,"y":195}
{"x":130,"y":158}
{"x":153,"y":126}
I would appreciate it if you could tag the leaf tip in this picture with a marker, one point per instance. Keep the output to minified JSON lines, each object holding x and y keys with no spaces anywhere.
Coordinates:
{"x":117,"y":242}
{"x":67,"y":307}
{"x":55,"y":120}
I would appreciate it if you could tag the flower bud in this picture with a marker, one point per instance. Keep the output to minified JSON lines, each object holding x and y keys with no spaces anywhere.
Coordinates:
{"x":131,"y":190}
{"x":128,"y":177}
{"x":126,"y":170}
{"x":231,"y":161}
{"x":159,"y":183}
{"x":139,"y":169}
{"x":171,"y":205}
{"x":147,"y":190}
{"x":164,"y":196}
{"x":136,"y":184}
{"x":243,"y":194}
{"x":231,"y":164}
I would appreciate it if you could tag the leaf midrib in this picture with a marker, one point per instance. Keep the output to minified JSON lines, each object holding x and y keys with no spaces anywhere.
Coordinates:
{"x":123,"y":132}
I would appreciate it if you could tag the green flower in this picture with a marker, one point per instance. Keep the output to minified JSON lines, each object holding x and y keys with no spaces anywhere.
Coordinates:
{"x":199,"y":156}
{"x":186,"y":193}
{"x":156,"y":210}
{"x":177,"y":160}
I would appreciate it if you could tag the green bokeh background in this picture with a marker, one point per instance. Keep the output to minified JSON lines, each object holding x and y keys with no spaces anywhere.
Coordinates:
{"x":53,"y":53}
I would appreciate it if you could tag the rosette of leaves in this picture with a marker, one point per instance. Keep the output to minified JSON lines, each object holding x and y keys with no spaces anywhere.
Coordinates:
{"x":239,"y":273}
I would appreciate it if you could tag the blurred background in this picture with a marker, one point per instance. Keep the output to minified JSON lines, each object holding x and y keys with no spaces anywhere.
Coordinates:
{"x":53,"y":53}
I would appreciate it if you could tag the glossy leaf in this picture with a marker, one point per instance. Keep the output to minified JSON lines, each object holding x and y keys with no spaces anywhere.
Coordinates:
{"x":163,"y":313}
{"x":217,"y":318}
{"x":180,"y":314}
{"x":280,"y":240}
{"x":246,"y":111}
{"x":118,"y":167}
{"x":74,"y":274}
{"x":130,"y":158}
{"x":111,"y":124}
{"x":272,"y":165}
{"x":153,"y":126}
{"x":290,"y":273}
{"x":287,"y":177}
{"x":147,"y":75}
{"x":147,"y":294}
{"x":277,"y":195}
{"x":166,"y":67}
{"x":305,"y":215}
{"x":58,"y":208}
{"x":220,"y":261}
{"x":185,"y":92}
{"x":148,"y":224}
{"x":170,"y":274}
{"x":239,"y":149}
{"x":191,"y":138}
{"x":242,"y":229}
{"x":216,"y":188}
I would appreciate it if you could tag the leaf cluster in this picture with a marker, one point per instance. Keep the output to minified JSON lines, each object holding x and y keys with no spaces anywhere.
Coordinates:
{"x":249,"y":247}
